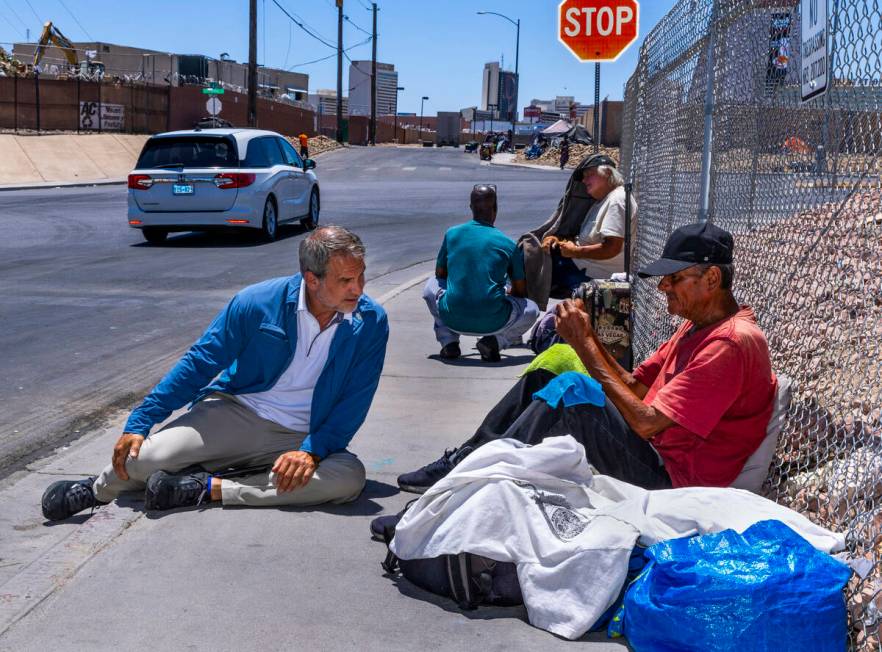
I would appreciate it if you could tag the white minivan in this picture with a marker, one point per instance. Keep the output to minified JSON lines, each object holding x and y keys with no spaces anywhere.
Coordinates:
{"x":205,"y":179}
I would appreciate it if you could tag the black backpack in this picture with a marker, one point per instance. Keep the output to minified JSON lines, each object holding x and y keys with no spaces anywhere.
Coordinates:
{"x":470,"y":580}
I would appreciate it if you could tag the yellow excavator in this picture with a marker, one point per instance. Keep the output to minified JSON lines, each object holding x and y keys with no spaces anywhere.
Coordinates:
{"x":53,"y":35}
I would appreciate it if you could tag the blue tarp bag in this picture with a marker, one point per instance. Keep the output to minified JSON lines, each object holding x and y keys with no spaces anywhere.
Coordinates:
{"x":766,"y":589}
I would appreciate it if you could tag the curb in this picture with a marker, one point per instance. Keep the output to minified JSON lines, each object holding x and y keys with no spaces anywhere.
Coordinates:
{"x":546,"y":168}
{"x":64,"y":184}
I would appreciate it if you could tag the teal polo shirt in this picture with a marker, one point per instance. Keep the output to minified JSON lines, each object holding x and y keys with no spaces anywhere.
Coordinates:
{"x":479,"y":259}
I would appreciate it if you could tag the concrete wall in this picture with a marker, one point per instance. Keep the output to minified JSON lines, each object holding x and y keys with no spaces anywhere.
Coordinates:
{"x":67,"y":157}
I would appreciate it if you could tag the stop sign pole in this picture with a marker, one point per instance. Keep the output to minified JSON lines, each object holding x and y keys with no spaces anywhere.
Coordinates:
{"x":597,"y":30}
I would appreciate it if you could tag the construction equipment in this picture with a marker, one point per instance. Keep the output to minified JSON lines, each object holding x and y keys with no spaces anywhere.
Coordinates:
{"x":52,"y":35}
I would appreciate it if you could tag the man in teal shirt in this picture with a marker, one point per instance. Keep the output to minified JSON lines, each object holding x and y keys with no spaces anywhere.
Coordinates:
{"x":469,"y":293}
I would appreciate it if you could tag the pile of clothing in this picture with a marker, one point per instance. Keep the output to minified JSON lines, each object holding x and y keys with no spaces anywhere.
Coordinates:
{"x":569,"y":531}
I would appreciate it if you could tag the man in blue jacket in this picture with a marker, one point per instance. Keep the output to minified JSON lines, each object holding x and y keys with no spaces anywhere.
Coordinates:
{"x":282,"y":379}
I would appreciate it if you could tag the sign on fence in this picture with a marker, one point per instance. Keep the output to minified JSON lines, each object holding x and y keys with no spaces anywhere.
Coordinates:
{"x":112,"y":116}
{"x":814,"y":73}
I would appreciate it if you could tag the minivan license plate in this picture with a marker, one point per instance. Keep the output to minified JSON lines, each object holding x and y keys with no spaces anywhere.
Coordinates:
{"x":182,"y":189}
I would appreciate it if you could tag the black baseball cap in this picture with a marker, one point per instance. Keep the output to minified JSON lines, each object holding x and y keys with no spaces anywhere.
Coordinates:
{"x":693,"y":244}
{"x":594,"y":161}
{"x":597,"y":160}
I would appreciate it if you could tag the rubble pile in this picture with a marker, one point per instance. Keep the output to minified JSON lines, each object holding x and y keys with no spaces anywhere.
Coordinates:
{"x":551,"y":155}
{"x":817,"y":277}
{"x":317,"y":144}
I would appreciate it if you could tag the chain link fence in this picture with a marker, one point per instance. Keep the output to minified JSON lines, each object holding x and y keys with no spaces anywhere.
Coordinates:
{"x":798,"y":185}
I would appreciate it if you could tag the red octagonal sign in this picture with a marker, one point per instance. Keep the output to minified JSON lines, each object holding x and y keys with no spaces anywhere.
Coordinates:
{"x":597,"y":30}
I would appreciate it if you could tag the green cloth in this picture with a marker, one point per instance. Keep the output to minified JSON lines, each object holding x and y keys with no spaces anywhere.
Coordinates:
{"x":479,"y":259}
{"x":558,"y":359}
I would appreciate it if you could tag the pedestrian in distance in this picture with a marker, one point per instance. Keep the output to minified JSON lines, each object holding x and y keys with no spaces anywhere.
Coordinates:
{"x":278,"y":385}
{"x":304,"y":146}
{"x":564,"y":152}
{"x":479,"y":287}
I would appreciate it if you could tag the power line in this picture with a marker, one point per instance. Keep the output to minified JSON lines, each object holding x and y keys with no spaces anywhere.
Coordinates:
{"x":39,"y":20}
{"x":85,"y":31}
{"x":346,"y":18}
{"x":303,"y":27}
{"x":288,"y":51}
{"x":17,"y":17}
{"x":306,"y":63}
{"x":362,"y":3}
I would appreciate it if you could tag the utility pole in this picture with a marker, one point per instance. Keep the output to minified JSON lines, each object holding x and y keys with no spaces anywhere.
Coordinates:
{"x":374,"y":79}
{"x":339,"y":71}
{"x":252,"y":63}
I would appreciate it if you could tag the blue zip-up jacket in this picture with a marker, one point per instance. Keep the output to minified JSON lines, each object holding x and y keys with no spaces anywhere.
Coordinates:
{"x":252,"y":342}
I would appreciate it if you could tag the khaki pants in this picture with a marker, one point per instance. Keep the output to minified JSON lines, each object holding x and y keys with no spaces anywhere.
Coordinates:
{"x":218,"y":433}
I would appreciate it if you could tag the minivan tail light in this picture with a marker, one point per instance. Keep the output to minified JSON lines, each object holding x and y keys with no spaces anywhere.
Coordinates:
{"x":140,"y":181}
{"x":227,"y":180}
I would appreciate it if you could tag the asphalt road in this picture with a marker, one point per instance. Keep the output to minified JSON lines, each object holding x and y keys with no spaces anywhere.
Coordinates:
{"x":91,"y":316}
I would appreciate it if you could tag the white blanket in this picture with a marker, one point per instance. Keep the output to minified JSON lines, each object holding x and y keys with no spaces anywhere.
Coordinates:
{"x":569,"y":531}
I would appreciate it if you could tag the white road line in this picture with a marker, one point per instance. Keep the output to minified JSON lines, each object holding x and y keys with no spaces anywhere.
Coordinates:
{"x":443,"y":169}
{"x":371,"y":169}
{"x":408,"y":169}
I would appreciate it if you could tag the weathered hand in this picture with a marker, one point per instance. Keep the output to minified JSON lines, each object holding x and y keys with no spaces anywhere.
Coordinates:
{"x":572,"y":322}
{"x":293,"y":470}
{"x":548,"y":242}
{"x":568,"y":249}
{"x":128,"y":445}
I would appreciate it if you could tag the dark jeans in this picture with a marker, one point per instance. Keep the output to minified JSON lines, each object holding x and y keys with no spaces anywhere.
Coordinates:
{"x":610,"y":444}
{"x":564,"y":272}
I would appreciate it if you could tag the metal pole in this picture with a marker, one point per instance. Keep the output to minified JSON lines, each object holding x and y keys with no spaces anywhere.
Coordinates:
{"x":252,"y":63}
{"x":517,"y":76}
{"x":374,"y":80}
{"x":100,"y":125}
{"x":704,"y":193}
{"x":422,"y":101}
{"x":597,"y":134}
{"x":78,"y":103}
{"x":14,"y":99}
{"x":168,"y":94}
{"x":339,"y":71}
{"x":37,"y":97}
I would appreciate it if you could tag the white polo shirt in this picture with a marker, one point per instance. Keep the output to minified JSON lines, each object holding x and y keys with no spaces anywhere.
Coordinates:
{"x":289,"y":401}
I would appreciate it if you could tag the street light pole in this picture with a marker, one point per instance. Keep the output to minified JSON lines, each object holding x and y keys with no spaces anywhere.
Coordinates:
{"x":425,"y":97}
{"x":517,"y":24}
{"x":395,"y":132}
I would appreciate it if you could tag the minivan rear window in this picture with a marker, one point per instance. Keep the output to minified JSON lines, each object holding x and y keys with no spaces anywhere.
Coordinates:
{"x":189,"y":151}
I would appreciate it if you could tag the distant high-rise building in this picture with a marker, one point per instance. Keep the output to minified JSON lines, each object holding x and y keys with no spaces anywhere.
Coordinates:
{"x":499,"y":89}
{"x":490,"y":87}
{"x":360,"y":88}
{"x":325,"y":102}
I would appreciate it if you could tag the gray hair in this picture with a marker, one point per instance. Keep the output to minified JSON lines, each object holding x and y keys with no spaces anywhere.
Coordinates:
{"x":613,"y":176}
{"x":326,"y":241}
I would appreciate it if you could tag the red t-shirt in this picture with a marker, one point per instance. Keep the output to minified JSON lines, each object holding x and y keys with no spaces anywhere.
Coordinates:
{"x":717,"y":385}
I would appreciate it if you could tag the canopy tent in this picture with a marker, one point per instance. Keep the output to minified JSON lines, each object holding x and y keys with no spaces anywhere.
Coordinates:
{"x":558,"y":128}
{"x":578,"y":134}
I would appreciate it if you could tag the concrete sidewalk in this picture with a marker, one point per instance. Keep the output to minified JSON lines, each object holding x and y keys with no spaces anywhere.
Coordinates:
{"x":508,"y":159}
{"x":236,"y":578}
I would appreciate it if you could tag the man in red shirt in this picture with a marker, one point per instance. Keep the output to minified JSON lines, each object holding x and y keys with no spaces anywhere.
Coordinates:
{"x":690,"y":415}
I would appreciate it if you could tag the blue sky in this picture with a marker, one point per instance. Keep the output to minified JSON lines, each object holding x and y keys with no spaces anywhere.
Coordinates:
{"x":439,"y":48}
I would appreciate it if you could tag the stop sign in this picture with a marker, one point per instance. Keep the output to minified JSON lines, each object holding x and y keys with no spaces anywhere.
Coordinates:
{"x":597,"y":30}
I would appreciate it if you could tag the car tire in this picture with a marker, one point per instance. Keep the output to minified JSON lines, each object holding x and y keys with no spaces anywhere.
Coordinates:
{"x":154,"y":236}
{"x":269,"y":230}
{"x":311,"y":221}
